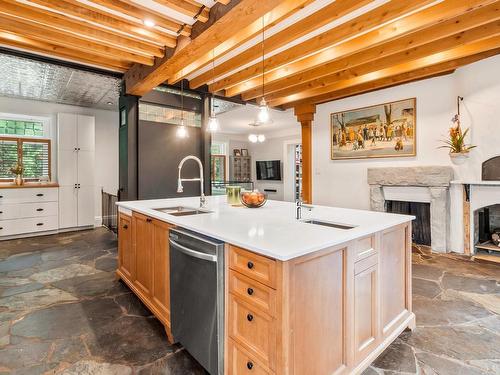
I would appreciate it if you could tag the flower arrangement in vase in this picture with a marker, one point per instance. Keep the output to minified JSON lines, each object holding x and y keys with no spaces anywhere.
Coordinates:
{"x":459,"y":150}
{"x":18,"y":171}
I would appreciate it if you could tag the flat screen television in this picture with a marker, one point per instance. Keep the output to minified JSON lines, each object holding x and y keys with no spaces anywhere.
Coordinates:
{"x":269,"y":170}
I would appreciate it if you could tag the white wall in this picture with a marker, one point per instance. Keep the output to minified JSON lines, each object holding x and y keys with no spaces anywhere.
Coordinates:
{"x":106,"y":138}
{"x":344,"y":183}
{"x":272,"y":149}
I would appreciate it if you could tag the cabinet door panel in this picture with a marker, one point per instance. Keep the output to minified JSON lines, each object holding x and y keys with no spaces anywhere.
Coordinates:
{"x":66,"y":131}
{"x":67,"y":167}
{"x":125,"y":248}
{"x":86,"y":133}
{"x":68,"y":201}
{"x":86,"y":205}
{"x":161,"y":267}
{"x":392,"y":278}
{"x":365,"y":312}
{"x":143,"y":232}
{"x":86,"y":168}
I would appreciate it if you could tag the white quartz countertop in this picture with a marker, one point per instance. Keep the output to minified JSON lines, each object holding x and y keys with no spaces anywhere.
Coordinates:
{"x":271,"y":230}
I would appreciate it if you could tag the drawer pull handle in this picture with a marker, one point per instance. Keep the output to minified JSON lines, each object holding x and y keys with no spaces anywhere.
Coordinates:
{"x":39,"y":224}
{"x":250,"y":265}
{"x":1,"y":212}
{"x":1,"y":228}
{"x":39,"y":195}
{"x":148,"y":220}
{"x":39,"y":209}
{"x":250,"y":291}
{"x":1,"y":196}
{"x":249,"y":365}
{"x":125,"y":226}
{"x":249,"y":317}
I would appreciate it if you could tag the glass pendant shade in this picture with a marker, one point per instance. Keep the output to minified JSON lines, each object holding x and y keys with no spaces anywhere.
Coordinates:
{"x":181,"y":130}
{"x":252,"y":138}
{"x":263,"y":115}
{"x":261,"y":138}
{"x":213,"y":124}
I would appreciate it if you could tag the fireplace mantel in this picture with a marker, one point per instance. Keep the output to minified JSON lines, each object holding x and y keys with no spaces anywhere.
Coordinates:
{"x":436,"y":178}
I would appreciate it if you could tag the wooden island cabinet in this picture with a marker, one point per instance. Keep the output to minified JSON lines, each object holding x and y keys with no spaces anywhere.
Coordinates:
{"x":332,"y":311}
{"x":144,"y":262}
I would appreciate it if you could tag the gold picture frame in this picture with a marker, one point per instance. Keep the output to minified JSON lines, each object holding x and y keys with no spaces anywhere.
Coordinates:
{"x":378,"y":131}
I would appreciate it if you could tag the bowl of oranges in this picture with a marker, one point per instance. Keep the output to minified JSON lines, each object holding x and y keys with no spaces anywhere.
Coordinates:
{"x":253,"y":199}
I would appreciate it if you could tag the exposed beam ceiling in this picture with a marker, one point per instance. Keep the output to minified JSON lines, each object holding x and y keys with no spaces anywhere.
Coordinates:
{"x":239,"y":24}
{"x":109,"y":34}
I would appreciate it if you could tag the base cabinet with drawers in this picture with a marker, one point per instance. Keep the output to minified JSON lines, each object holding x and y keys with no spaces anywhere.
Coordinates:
{"x":329,"y":312}
{"x":144,"y":263}
{"x":30,"y":209}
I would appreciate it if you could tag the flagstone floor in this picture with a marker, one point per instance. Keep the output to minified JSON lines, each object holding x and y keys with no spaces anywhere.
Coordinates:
{"x":63,"y":312}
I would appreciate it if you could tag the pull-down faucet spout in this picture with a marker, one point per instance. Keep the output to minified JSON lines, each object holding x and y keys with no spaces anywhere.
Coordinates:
{"x":180,"y":188}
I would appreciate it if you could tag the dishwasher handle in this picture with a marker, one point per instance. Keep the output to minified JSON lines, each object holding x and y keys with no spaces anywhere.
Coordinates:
{"x":193,"y":253}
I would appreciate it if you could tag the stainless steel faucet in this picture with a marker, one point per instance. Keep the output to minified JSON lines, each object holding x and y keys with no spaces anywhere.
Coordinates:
{"x":180,"y":188}
{"x":301,"y":204}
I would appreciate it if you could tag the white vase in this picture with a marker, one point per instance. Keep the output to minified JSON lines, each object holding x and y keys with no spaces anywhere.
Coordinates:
{"x":18,"y":180}
{"x":459,"y":158}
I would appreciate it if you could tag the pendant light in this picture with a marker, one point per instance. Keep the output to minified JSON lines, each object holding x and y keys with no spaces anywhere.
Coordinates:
{"x":181,"y":130}
{"x":263,"y":114}
{"x":213,"y":121}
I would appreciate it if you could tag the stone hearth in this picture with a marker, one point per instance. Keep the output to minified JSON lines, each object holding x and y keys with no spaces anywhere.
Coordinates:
{"x":434,"y":178}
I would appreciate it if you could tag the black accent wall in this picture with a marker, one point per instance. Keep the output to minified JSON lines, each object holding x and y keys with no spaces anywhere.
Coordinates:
{"x":150,"y":152}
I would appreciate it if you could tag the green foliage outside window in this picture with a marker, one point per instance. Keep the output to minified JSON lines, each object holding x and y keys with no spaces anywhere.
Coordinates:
{"x":21,"y":128}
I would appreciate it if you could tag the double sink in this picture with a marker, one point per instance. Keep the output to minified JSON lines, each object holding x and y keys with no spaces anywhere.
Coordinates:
{"x":189,"y":211}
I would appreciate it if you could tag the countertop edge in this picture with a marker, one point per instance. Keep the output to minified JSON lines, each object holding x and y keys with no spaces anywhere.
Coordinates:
{"x":261,"y":251}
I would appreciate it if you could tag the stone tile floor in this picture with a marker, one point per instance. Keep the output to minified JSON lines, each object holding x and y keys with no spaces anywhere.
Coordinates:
{"x":63,"y":312}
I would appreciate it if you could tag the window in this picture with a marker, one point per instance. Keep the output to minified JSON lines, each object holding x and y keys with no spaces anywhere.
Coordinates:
{"x":22,"y":128}
{"x":157,"y":113}
{"x":33,"y":154}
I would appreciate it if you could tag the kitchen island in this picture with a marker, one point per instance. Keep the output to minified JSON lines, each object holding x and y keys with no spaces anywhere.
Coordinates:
{"x":322,"y":299}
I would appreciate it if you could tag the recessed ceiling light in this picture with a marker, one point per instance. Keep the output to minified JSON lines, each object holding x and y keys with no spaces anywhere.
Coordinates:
{"x":109,"y":103}
{"x":149,"y":23}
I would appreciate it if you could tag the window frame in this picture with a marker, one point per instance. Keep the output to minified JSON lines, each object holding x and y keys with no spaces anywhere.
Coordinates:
{"x":20,"y":141}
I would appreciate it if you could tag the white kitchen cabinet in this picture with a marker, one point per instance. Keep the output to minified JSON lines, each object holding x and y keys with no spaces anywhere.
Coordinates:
{"x":28,"y":210}
{"x":76,"y":159}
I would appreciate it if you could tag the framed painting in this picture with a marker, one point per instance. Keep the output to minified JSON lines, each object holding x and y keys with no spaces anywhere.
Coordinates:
{"x":379,"y":131}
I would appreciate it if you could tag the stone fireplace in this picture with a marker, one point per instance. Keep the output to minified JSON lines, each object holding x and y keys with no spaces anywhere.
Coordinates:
{"x":429,"y":184}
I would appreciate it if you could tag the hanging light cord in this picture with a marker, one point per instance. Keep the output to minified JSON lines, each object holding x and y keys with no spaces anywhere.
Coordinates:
{"x":263,"y":58}
{"x":182,"y":102}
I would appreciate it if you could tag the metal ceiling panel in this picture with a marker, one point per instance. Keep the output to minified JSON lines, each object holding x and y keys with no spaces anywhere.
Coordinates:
{"x":25,"y":78}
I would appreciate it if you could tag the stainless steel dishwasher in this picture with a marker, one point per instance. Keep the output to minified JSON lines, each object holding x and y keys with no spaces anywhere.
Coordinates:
{"x":197,"y":296}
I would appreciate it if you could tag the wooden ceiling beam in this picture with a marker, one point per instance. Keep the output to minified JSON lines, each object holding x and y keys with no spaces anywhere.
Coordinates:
{"x":43,"y":33}
{"x":447,"y":43}
{"x":300,"y":28}
{"x":345,"y":59}
{"x":424,"y":62}
{"x":220,"y":37}
{"x":198,"y":12}
{"x":60,"y":22}
{"x":384,"y":13}
{"x":283,"y":9}
{"x":398,"y":79}
{"x":108,"y":20}
{"x":135,"y":10}
{"x":16,"y":41}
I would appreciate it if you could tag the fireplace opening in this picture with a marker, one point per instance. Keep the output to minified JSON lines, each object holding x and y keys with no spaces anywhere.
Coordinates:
{"x":487,"y":228}
{"x":421,"y":226}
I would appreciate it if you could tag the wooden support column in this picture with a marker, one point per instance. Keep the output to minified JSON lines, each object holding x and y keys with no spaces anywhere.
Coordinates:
{"x":305,"y":115}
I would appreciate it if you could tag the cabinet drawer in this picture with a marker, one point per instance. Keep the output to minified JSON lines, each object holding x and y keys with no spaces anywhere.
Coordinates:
{"x":252,"y":265}
{"x":253,"y":292}
{"x":29,"y":225}
{"x":365,"y":247}
{"x":27,"y":210}
{"x":241,"y":362}
{"x":28,"y":195}
{"x":253,"y":330}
